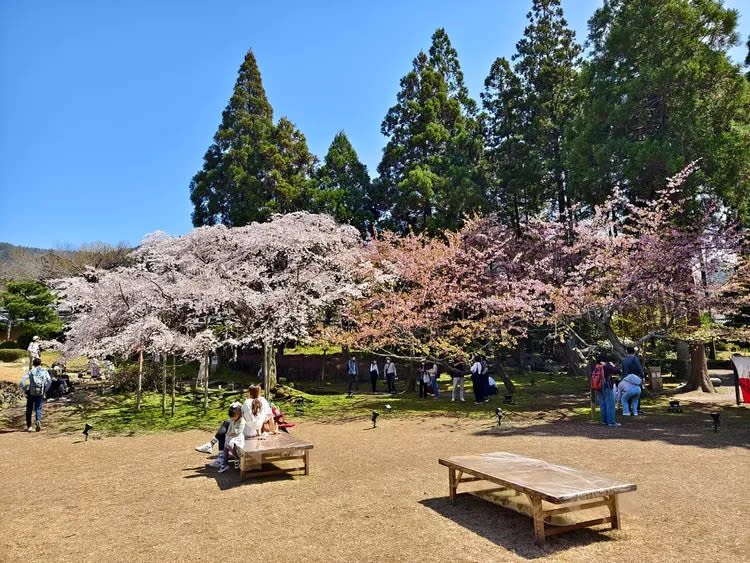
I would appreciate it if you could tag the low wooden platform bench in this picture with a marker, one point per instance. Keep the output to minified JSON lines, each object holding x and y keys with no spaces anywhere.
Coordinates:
{"x":553,"y":491}
{"x":257,"y":455}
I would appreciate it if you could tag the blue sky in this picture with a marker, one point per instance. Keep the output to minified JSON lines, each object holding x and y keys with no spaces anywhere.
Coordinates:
{"x":107,"y":107}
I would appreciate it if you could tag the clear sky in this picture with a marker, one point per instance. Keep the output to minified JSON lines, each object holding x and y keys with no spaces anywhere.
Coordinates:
{"x":107,"y":106}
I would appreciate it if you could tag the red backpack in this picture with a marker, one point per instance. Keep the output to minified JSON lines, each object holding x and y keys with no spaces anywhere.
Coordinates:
{"x":597,"y":377}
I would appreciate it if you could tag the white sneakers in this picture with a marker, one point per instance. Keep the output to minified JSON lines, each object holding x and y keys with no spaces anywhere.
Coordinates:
{"x":206,"y":448}
{"x":29,"y":429}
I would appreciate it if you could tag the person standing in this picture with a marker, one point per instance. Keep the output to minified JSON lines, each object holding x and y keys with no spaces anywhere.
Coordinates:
{"x":601,"y":381}
{"x":632,"y":364}
{"x":424,"y":377}
{"x":352,"y":373}
{"x":434,"y":374}
{"x":35,"y":384}
{"x":476,"y":380}
{"x":389,"y":369}
{"x":34,"y":351}
{"x":374,"y":374}
{"x":485,"y":379}
{"x":459,"y":373}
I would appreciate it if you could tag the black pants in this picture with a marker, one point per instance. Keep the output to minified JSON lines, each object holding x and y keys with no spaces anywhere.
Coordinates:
{"x":353,"y":379}
{"x":422,"y":388}
{"x":476,"y":381}
{"x":374,"y":380}
{"x":221,"y":434}
{"x":391,"y":379}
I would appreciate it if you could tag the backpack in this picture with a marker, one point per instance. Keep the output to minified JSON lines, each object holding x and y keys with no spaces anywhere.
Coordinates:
{"x":36,"y":388}
{"x":597,"y":377}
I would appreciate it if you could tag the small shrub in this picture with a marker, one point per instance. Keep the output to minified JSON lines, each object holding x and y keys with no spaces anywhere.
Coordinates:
{"x":10,"y":394}
{"x":125,"y":379}
{"x":9,"y":344}
{"x":11,"y":354}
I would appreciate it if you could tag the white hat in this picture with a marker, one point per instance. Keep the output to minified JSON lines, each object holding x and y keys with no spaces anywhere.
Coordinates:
{"x":35,"y":338}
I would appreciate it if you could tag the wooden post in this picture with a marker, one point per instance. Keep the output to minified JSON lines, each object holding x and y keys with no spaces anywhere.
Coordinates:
{"x":174,"y":375}
{"x":206,"y":363}
{"x":452,"y":486}
{"x":307,"y":462}
{"x":140,"y":381}
{"x":164,"y":386}
{"x":538,"y":515}
{"x":614,"y":511}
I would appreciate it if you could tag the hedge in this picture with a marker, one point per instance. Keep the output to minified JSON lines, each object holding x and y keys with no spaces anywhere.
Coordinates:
{"x":11,"y":354}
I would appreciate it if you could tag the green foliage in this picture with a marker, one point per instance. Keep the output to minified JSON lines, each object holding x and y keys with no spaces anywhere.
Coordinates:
{"x":11,"y":354}
{"x":528,"y":109}
{"x":8,"y":344}
{"x":344,"y":188}
{"x":661,"y":92}
{"x":30,"y":305}
{"x":253,"y":168}
{"x":430,"y":175}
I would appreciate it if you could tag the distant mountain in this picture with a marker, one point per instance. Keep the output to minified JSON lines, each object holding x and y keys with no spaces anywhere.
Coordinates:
{"x":6,"y":250}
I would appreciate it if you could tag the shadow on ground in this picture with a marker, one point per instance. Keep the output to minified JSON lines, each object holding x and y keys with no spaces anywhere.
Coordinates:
{"x":507,"y":528}
{"x":231,"y":479}
{"x":692,"y":427}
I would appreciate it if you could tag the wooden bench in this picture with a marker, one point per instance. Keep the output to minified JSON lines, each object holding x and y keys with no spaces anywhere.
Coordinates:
{"x":566,"y":489}
{"x":258,"y":453}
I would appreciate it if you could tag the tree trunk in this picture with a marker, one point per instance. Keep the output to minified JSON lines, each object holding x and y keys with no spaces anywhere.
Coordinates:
{"x":683,"y":359}
{"x":139,"y":390}
{"x":698,"y":377}
{"x":174,"y":376}
{"x":269,"y":369}
{"x":503,"y":375}
{"x":9,"y":325}
{"x":574,"y":359}
{"x":164,"y":386}
{"x":323,"y":370}
{"x":411,"y":379}
{"x":206,"y":365}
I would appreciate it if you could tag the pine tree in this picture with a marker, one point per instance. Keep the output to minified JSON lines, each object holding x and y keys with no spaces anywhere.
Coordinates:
{"x":430,"y":173}
{"x":662,"y":92}
{"x":528,"y":110}
{"x":344,"y":187}
{"x":253,"y":168}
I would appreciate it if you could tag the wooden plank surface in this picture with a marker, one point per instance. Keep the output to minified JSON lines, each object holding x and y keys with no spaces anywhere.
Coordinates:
{"x":553,"y":483}
{"x":274,"y":443}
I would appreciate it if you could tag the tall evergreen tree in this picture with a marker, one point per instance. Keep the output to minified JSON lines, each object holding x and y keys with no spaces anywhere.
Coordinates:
{"x":430,"y":172}
{"x":344,"y":187}
{"x":528,"y":110}
{"x":253,"y":168}
{"x":663,"y":92}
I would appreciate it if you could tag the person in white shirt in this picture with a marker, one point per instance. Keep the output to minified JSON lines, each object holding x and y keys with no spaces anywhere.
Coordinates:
{"x":258,"y":416}
{"x":34,"y":350}
{"x":389,"y":369}
{"x":374,"y":374}
{"x":35,"y":384}
{"x":476,"y":380}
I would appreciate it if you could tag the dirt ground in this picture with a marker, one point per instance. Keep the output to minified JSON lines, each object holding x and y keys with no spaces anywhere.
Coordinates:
{"x":372,"y":495}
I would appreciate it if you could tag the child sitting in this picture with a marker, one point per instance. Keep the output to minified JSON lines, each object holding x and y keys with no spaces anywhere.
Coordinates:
{"x":259,"y":415}
{"x":235,"y":436}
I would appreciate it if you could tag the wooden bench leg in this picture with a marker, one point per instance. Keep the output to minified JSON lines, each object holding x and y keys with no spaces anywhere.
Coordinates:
{"x":307,"y":462}
{"x":538,"y":515}
{"x":614,"y":511}
{"x":452,"y":485}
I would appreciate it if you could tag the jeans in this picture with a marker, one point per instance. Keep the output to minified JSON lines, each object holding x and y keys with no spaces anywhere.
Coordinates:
{"x":33,"y":404}
{"x":391,"y":379}
{"x":435,"y":386}
{"x":633,"y":394}
{"x":353,"y":379}
{"x":458,"y":383}
{"x":221,"y":434}
{"x":373,"y":380}
{"x":606,"y":398}
{"x":476,"y":381}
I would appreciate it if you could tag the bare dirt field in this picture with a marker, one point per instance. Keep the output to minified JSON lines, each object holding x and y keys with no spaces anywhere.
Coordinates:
{"x":372,"y":495}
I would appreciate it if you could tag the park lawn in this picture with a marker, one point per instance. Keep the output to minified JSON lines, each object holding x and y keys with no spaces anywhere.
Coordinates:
{"x":116,"y":414}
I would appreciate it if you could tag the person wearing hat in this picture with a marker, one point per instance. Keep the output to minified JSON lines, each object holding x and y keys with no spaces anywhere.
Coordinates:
{"x":34,"y":351}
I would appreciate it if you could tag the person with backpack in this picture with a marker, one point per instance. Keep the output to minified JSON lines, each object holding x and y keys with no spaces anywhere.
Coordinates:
{"x":601,"y":382}
{"x":35,"y":384}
